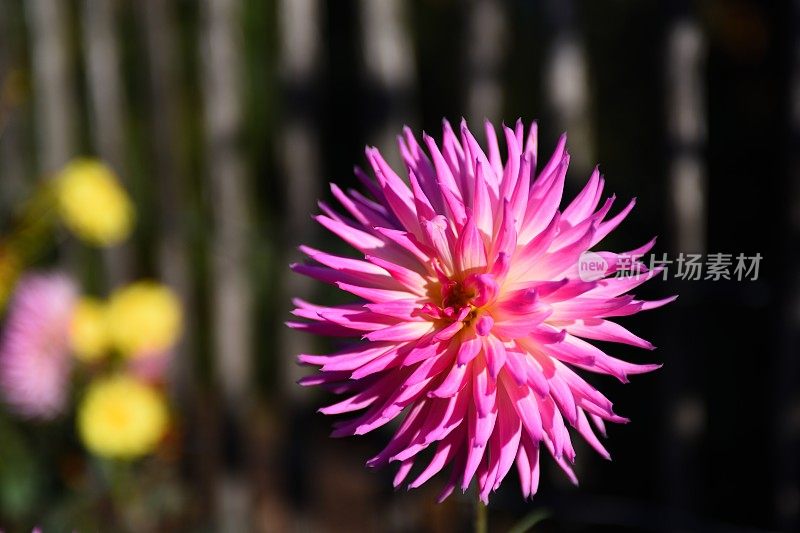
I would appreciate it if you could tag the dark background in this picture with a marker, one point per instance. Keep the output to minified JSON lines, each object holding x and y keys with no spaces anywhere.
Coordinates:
{"x":715,"y":434}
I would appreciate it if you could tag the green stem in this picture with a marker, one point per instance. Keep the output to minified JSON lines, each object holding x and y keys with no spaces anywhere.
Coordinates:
{"x":481,"y":517}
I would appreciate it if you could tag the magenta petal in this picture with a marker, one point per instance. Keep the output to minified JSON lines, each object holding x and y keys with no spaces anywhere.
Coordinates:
{"x":404,"y":331}
{"x":495,"y":353}
{"x":470,"y":250}
{"x":484,"y":325}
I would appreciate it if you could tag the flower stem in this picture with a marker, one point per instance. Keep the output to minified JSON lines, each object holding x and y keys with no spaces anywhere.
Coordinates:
{"x":481,"y":517}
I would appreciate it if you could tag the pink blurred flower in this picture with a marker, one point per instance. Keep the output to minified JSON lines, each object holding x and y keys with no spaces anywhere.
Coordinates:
{"x":34,"y":348}
{"x":475,"y":317}
{"x":151,"y":367}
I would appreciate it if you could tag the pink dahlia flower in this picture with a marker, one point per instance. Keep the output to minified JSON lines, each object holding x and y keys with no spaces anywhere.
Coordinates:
{"x":474,"y":320}
{"x":34,"y":348}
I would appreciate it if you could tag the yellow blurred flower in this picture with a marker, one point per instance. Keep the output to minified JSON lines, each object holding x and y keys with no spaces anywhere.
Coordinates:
{"x":92,"y":202}
{"x":122,"y":418}
{"x":88,"y":333}
{"x":144,"y":318}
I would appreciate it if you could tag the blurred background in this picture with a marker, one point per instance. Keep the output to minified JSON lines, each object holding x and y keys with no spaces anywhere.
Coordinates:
{"x":225,"y":120}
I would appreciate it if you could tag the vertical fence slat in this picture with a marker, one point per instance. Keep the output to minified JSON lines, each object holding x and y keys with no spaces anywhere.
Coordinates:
{"x":567,"y":86}
{"x":54,"y":92}
{"x":300,"y":159}
{"x":169,"y":175}
{"x":390,"y":70}
{"x":104,"y":80}
{"x":299,"y":152}
{"x":13,"y":151}
{"x":231,"y":294}
{"x":685,"y":408}
{"x":166,"y":126}
{"x":687,"y":131}
{"x":54,"y":98}
{"x":106,"y":103}
{"x":486,"y":48}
